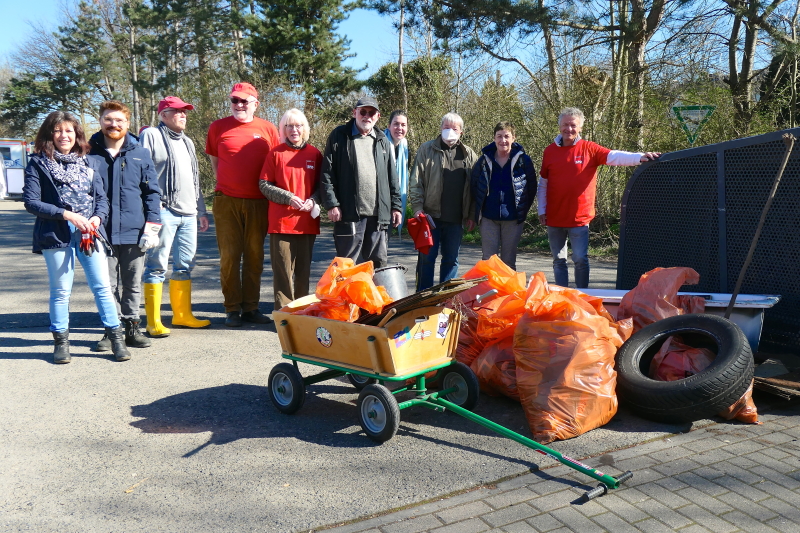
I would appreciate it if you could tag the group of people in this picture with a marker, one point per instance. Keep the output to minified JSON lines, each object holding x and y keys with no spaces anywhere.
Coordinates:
{"x":121,"y":205}
{"x":494,"y":191}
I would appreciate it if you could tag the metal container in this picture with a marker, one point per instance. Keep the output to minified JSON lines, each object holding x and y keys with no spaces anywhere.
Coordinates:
{"x":393,"y":278}
{"x":748,"y":312}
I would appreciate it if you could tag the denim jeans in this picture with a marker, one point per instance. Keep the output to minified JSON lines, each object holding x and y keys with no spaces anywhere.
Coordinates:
{"x":579,"y":239}
{"x":501,"y":236}
{"x":449,"y":236}
{"x":61,"y":273}
{"x":180,"y":230}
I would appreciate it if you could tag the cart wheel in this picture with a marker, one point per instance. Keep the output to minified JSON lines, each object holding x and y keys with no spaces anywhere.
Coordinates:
{"x":459,"y":375}
{"x":286,"y":388}
{"x":380,"y":415}
{"x":359,"y":382}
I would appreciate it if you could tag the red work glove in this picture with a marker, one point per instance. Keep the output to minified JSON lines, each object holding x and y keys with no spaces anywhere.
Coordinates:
{"x":88,"y":244}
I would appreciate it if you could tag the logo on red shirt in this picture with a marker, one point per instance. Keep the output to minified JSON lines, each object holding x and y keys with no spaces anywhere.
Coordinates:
{"x":310,"y":164}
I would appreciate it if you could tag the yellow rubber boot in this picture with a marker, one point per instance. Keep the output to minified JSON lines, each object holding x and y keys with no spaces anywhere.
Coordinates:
{"x":180,"y":297}
{"x":152,"y":306}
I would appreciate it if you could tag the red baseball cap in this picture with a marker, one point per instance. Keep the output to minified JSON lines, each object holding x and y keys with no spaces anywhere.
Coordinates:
{"x":244,"y":91}
{"x":174,"y":102}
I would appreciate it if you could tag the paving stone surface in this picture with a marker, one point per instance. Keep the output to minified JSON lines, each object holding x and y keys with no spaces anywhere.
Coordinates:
{"x":737,"y":481}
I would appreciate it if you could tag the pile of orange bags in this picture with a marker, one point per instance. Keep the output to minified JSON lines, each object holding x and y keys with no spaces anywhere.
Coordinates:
{"x":564,"y":346}
{"x":492,"y":320}
{"x":655,"y":298}
{"x":344,"y":289}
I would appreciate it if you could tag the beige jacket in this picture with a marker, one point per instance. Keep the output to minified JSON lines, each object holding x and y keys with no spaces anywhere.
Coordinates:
{"x":425,"y":183}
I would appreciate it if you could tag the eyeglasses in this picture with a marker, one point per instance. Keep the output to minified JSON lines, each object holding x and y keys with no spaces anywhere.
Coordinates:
{"x":176,"y":111}
{"x":237,"y":101}
{"x":115,"y":120}
{"x":293,"y":126}
{"x":367,"y":112}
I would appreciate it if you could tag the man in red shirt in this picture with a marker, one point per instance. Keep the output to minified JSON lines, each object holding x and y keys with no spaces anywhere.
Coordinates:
{"x":567,"y":192}
{"x":237,"y":146}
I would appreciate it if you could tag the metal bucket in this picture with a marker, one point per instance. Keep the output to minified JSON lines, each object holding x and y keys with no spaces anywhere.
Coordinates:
{"x":393,"y":278}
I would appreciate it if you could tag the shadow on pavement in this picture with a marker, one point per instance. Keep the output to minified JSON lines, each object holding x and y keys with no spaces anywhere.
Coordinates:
{"x":237,"y":411}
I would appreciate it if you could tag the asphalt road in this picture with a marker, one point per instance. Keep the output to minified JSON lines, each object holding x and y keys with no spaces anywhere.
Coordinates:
{"x":184,"y":438}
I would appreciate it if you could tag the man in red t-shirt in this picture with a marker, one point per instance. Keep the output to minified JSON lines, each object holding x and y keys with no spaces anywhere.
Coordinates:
{"x":237,"y":146}
{"x":567,"y":192}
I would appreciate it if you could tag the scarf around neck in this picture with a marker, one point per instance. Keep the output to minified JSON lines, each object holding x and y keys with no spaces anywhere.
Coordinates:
{"x":402,"y":171}
{"x":172,"y":186}
{"x":67,"y":168}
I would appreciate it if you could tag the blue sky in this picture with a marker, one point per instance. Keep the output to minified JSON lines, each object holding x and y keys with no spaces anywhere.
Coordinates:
{"x":373,"y":39}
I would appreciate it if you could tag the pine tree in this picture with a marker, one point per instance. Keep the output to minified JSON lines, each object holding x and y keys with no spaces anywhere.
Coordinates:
{"x":298,"y":42}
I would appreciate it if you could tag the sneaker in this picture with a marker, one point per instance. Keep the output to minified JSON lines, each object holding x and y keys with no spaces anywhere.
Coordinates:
{"x":256,"y":317}
{"x":233,"y":320}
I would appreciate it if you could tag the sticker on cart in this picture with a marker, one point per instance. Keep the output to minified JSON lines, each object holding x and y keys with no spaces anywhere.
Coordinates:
{"x":324,"y":337}
{"x":422,"y":334}
{"x":402,"y":336}
{"x":441,"y":331}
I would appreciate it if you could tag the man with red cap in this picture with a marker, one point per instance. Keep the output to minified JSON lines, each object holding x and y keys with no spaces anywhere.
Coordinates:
{"x":237,"y":146}
{"x":183,"y":208}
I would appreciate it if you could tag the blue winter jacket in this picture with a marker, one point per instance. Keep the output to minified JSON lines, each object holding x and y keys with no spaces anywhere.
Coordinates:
{"x":42,"y":199}
{"x":131,"y":184}
{"x":523,"y":176}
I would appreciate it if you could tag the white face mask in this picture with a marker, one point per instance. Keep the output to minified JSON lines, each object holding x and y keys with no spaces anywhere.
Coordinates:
{"x":450,"y":136}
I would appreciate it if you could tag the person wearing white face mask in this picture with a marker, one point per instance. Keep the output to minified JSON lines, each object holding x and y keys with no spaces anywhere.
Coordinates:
{"x":439,"y":187}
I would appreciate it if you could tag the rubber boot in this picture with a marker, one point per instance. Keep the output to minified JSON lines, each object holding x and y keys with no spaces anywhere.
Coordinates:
{"x":180,"y":297}
{"x":152,"y":306}
{"x":103,"y":345}
{"x":117,"y":336}
{"x":61,"y":353}
{"x":133,"y":335}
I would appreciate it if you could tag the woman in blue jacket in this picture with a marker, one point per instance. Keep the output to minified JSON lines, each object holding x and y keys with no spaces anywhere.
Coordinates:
{"x":503,"y":186}
{"x":65,"y":192}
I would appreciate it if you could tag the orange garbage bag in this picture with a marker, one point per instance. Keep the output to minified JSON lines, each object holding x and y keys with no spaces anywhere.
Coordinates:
{"x":352,"y":284}
{"x":334,"y":309}
{"x":469,"y":347}
{"x":564,"y":350}
{"x":744,"y":410}
{"x":656,"y":296}
{"x":496,"y":369}
{"x":493,"y":319}
{"x":501,"y":276}
{"x":676,"y":360}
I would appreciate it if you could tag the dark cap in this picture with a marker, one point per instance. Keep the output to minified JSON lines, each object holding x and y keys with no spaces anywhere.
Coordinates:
{"x":367,"y":101}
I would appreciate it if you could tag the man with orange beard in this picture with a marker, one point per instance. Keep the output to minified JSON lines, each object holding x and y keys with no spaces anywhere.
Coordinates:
{"x":134,"y":222}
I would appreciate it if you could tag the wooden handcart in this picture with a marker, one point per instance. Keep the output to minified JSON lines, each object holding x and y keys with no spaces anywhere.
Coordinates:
{"x":399,"y":349}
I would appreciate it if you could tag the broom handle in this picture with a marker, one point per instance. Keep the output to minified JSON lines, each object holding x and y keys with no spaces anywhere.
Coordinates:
{"x":788,"y":140}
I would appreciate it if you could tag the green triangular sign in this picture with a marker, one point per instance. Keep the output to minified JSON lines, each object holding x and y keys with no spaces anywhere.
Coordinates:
{"x":692,"y":118}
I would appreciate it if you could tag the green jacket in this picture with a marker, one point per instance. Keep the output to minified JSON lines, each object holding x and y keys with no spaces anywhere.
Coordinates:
{"x":425,"y":184}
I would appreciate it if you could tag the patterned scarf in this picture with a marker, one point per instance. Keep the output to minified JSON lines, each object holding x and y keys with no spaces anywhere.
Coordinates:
{"x":67,"y":168}
{"x":172,"y":186}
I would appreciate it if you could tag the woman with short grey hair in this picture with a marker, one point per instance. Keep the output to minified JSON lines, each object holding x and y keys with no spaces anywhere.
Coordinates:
{"x":290,"y":181}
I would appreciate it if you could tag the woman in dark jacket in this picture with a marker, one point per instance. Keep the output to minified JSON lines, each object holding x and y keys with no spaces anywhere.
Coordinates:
{"x":65,"y":192}
{"x":503,"y":186}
